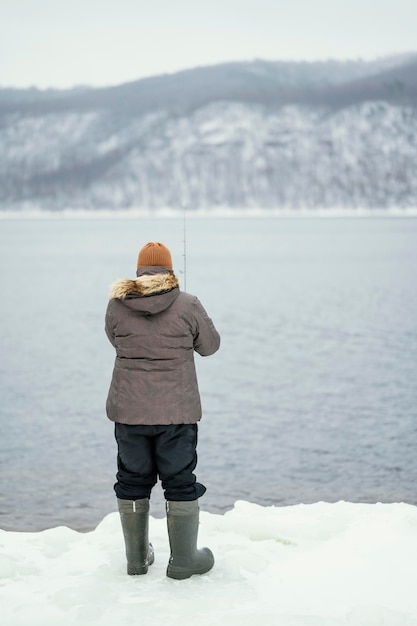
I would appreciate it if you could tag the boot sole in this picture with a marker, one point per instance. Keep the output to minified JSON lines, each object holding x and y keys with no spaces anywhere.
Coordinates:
{"x":137,"y":571}
{"x":179,"y":573}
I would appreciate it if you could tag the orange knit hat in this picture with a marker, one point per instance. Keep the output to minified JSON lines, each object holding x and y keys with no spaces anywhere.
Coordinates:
{"x":154,"y":253}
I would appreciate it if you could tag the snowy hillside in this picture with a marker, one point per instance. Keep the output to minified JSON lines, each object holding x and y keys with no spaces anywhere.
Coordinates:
{"x":238,"y":135}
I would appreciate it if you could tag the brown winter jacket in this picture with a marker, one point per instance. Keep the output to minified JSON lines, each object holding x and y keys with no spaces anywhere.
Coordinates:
{"x":155,"y":329}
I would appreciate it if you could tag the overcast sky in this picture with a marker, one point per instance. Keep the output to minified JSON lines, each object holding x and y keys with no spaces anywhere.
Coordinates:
{"x":62,"y":43}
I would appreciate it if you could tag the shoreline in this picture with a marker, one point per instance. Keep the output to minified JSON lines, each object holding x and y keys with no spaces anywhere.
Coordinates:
{"x":205,"y":213}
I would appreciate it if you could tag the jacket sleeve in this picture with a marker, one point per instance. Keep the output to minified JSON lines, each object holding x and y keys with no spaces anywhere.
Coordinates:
{"x":109,"y":327}
{"x":206,"y":339}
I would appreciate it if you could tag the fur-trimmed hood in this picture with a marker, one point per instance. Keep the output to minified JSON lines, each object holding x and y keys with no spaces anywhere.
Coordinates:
{"x":148,"y":294}
{"x":145,"y":285}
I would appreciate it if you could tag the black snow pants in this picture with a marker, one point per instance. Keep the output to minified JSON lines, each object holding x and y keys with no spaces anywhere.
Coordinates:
{"x":146,"y":452}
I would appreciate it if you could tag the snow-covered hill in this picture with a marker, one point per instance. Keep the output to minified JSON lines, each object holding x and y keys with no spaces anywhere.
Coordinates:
{"x":239,"y":135}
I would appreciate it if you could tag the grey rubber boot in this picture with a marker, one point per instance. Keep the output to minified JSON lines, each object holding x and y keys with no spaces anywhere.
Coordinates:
{"x":134,"y":515}
{"x":185,"y":559}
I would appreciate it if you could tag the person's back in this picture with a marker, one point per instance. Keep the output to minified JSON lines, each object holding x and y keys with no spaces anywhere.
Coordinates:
{"x":155,"y":329}
{"x":155,"y":404}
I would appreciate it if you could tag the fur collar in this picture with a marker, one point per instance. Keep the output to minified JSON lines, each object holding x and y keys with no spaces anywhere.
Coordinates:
{"x":145,"y":285}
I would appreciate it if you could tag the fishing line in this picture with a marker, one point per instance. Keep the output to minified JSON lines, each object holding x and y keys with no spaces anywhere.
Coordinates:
{"x":185,"y":245}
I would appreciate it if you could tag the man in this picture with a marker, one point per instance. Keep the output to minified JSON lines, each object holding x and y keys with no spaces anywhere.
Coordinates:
{"x":155,"y":404}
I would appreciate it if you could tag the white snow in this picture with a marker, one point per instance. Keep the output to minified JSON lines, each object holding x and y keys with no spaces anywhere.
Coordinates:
{"x":322,"y":564}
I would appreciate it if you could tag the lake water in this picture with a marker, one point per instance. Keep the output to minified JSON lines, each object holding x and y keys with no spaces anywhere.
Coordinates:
{"x":313,"y":395}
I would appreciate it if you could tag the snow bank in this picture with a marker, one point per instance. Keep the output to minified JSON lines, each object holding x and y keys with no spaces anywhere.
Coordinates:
{"x":305,"y":565}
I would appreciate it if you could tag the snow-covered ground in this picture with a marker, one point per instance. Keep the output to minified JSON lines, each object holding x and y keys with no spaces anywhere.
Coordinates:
{"x":323,"y":564}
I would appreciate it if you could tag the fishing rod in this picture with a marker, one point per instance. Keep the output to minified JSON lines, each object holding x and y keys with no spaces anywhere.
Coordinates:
{"x":184,"y":254}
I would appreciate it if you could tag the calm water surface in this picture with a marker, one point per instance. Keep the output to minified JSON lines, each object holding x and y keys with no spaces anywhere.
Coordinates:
{"x":312,"y":396}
